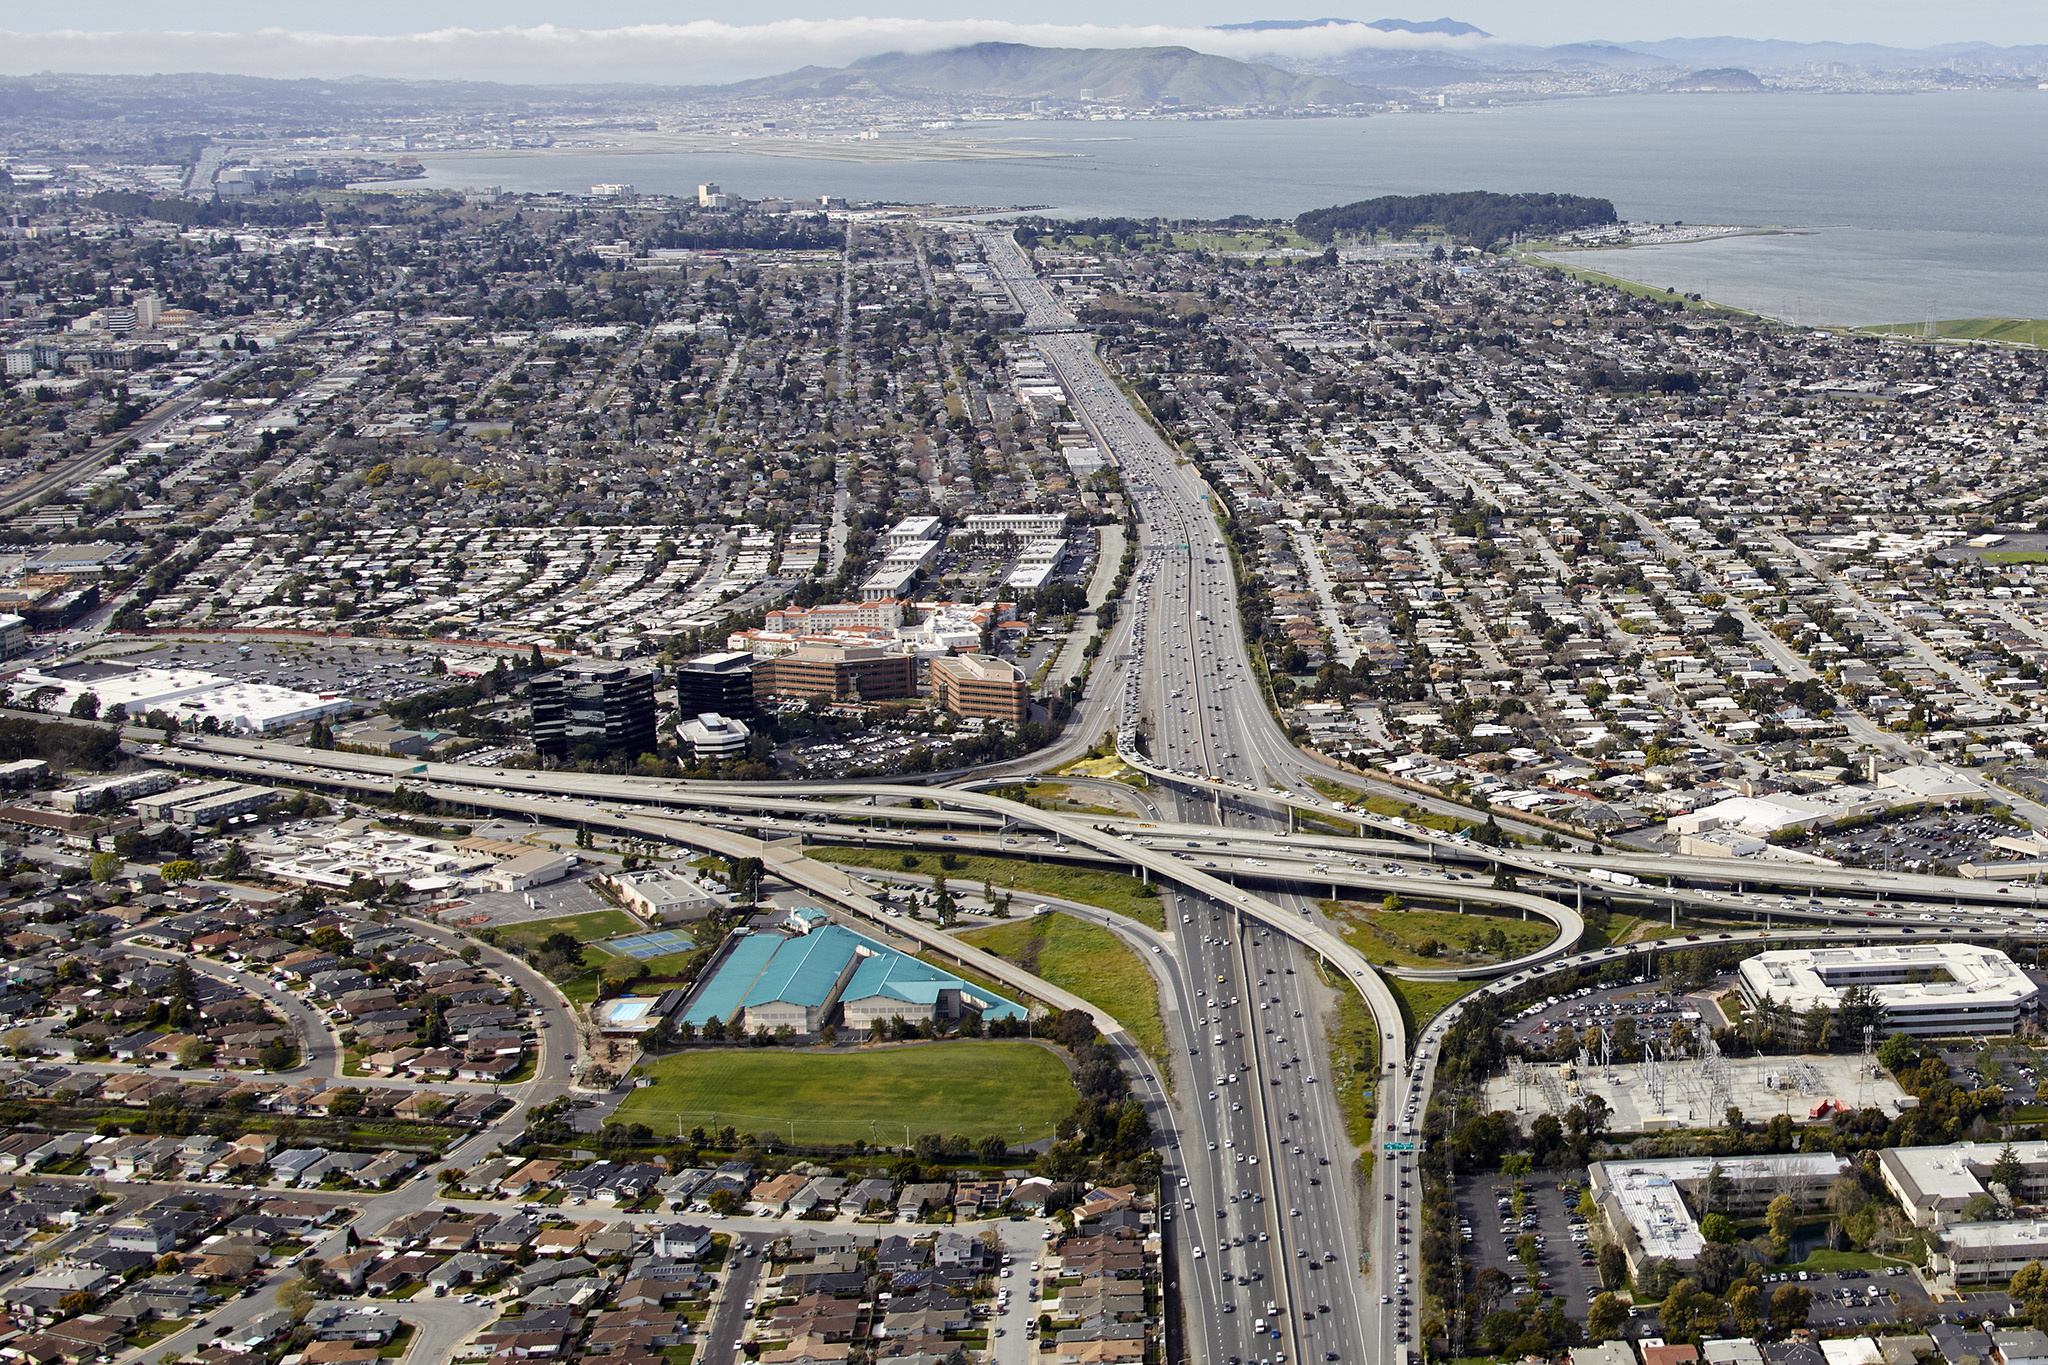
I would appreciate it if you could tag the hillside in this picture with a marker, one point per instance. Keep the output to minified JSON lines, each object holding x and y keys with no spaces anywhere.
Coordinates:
{"x":1476,"y":217}
{"x":1138,"y":76}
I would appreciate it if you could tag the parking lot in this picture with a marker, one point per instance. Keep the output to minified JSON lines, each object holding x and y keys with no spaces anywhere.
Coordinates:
{"x":1651,"y":1010}
{"x":1934,"y":842}
{"x":2006,"y":1065}
{"x":368,"y":670}
{"x":1568,"y":1267}
{"x":1550,"y":1217}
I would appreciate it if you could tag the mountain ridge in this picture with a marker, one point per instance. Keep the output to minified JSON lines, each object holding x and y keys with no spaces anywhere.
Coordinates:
{"x":1114,"y":75}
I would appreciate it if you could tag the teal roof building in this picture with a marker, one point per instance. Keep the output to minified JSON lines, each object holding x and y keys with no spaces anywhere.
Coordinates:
{"x":802,"y":981}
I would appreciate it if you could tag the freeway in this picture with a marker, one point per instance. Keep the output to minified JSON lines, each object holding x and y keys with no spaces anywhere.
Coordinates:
{"x":1189,"y":695}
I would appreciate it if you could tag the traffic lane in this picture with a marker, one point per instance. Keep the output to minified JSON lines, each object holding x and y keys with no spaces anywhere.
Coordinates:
{"x":543,"y":995}
{"x":321,"y":1048}
{"x":721,"y":1329}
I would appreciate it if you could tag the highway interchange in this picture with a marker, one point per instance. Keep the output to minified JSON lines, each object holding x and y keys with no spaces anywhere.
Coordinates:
{"x":1268,"y":1202}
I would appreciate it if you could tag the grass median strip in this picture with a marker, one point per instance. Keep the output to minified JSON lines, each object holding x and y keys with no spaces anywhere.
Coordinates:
{"x":1014,"y":1090}
{"x":1088,"y":960}
{"x":1109,"y":890}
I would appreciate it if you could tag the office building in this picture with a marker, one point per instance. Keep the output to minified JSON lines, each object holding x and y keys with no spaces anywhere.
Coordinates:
{"x":1644,"y":1202}
{"x":717,"y":682}
{"x":1934,"y":1184}
{"x":974,"y":685}
{"x":1927,"y":989}
{"x":712,"y":736}
{"x":837,"y":673}
{"x":593,"y":710}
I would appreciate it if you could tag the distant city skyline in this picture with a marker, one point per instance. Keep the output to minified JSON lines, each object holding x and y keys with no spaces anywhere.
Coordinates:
{"x":545,"y":40}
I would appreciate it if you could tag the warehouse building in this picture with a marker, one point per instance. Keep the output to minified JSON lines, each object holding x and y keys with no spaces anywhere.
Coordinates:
{"x":771,"y":981}
{"x":1927,"y":989}
{"x":1645,"y":1203}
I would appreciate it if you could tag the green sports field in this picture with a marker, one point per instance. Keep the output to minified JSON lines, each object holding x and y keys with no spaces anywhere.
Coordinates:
{"x":968,"y":1087}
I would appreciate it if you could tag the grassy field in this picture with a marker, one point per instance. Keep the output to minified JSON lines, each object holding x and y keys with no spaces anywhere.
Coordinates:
{"x":588,"y":928}
{"x":1110,"y":890}
{"x":579,"y":986}
{"x":1639,"y":290}
{"x":1243,"y":241}
{"x":1086,"y":959}
{"x":1391,"y":806}
{"x":2015,"y":556}
{"x":1354,"y":1063}
{"x":1396,"y":938}
{"x":1422,"y":1001}
{"x":969,"y":1087}
{"x":2012,"y":331}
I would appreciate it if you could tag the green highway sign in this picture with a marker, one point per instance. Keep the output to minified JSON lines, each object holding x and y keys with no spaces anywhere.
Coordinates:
{"x":1393,"y":1147}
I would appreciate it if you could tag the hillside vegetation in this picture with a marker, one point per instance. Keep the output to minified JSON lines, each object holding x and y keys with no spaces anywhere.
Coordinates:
{"x":1128,"y":76}
{"x":1476,"y":217}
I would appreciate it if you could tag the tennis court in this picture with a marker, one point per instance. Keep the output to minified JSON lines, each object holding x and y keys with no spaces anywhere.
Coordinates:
{"x":657,"y":944}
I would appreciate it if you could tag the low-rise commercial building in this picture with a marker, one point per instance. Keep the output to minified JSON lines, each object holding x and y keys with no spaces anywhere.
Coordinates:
{"x":765,"y":980}
{"x":1927,"y":989}
{"x":663,"y":899}
{"x":712,"y":736}
{"x":1644,"y":1202}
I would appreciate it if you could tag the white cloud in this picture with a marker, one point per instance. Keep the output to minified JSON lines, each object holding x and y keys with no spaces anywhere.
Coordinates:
{"x":702,"y":52}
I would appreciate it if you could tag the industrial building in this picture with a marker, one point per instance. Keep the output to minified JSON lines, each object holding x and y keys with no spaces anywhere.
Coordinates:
{"x":591,"y":709}
{"x":770,"y":980}
{"x":1644,"y":1202}
{"x":723,"y":683}
{"x":1927,"y":989}
{"x":977,"y":685}
{"x":838,"y":673}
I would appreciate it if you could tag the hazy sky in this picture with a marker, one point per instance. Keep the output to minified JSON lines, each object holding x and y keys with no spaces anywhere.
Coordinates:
{"x":644,"y":40}
{"x":1906,"y":23}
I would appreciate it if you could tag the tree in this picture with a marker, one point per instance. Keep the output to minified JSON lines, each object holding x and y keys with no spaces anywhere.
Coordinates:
{"x":277,"y":1055}
{"x":1718,"y":1227}
{"x":1782,"y":1219}
{"x":723,"y":1201}
{"x":1613,"y":1266}
{"x":1790,"y":1304}
{"x":87,"y":707}
{"x":296,"y":1298}
{"x":179,"y":870}
{"x":1897,"y":1052}
{"x":105,"y":866}
{"x":2029,"y":1282}
{"x":1745,"y":1307}
{"x":1688,"y":1311}
{"x":2009,"y":1172}
{"x":195,"y":1053}
{"x":1606,"y":1318}
{"x":234,"y":862}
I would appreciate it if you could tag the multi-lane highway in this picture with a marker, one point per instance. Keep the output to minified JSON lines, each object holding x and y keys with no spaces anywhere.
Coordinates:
{"x":1283,"y":1247}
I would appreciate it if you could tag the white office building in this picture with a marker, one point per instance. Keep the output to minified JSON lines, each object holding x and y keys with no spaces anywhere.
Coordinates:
{"x":1927,"y":989}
